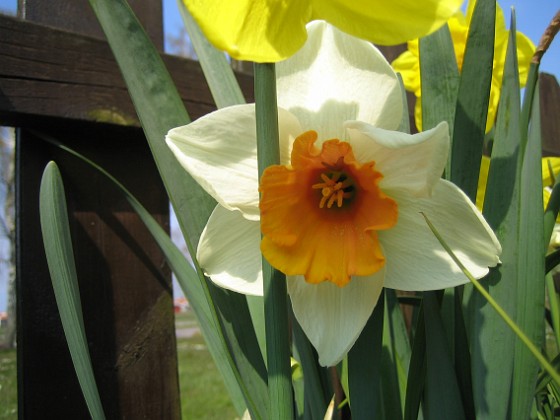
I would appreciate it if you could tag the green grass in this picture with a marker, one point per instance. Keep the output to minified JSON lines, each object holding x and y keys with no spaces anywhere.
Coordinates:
{"x":8,"y":384}
{"x":203,"y":394}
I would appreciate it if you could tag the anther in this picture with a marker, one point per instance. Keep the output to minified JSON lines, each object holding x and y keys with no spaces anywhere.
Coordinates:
{"x":333,"y":190}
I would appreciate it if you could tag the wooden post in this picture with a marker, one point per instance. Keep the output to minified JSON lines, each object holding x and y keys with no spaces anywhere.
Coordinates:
{"x":550,"y":112}
{"x":125,"y":285}
{"x":67,"y":85}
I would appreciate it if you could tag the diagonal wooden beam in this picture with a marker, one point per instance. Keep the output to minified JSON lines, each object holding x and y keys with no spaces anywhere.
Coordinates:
{"x":49,"y":72}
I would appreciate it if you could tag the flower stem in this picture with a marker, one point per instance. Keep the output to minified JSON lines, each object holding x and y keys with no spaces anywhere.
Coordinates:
{"x":275,"y":291}
{"x":514,"y":327}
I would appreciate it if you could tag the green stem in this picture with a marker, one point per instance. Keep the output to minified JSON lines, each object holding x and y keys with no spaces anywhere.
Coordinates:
{"x":515,"y":328}
{"x":274,"y":282}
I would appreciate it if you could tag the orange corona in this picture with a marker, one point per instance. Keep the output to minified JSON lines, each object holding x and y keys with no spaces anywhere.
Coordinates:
{"x":320,"y":214}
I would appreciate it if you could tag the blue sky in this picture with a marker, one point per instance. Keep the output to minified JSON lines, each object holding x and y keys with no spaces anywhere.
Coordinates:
{"x":533,"y":16}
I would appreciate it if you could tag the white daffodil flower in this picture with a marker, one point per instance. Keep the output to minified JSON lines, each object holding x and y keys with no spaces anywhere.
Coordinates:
{"x":341,"y":215}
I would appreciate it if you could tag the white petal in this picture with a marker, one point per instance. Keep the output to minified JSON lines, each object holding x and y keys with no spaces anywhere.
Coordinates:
{"x":413,"y":163}
{"x":219,"y":151}
{"x":333,"y":317}
{"x":336,"y":77}
{"x":415,"y":258}
{"x":229,"y":253}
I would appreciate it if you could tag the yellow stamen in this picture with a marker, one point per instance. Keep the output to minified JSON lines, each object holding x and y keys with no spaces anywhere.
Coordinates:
{"x":332,"y":190}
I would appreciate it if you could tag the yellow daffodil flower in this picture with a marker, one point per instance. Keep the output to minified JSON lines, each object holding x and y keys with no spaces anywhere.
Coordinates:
{"x":548,"y":180}
{"x":272,"y":30}
{"x":408,"y":63}
{"x":340,"y":215}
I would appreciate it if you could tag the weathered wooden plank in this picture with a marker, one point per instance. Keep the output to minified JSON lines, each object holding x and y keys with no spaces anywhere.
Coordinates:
{"x":62,"y":14}
{"x":54,"y":73}
{"x":58,"y":83}
{"x":124,"y":282}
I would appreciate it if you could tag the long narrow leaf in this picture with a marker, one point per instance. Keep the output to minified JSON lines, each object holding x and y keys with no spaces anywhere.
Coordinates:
{"x":397,"y":342}
{"x":442,"y":396}
{"x":364,"y":368}
{"x":472,"y":99}
{"x":534,"y":350}
{"x":417,"y":370}
{"x":314,"y":392}
{"x":492,"y":340}
{"x":530,"y":284}
{"x":60,"y":259}
{"x":440,"y":79}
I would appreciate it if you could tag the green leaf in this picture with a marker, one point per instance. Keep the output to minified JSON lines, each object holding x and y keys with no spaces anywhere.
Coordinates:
{"x":397,"y":345}
{"x":472,"y":99}
{"x":530,"y":283}
{"x":315,"y":393}
{"x":528,"y":98}
{"x":463,"y":362}
{"x":62,"y":268}
{"x":491,"y":339}
{"x":554,"y":303}
{"x":442,"y":396}
{"x":364,"y":368}
{"x":217,"y":70}
{"x":393,"y":370}
{"x":160,"y":108}
{"x":552,"y":260}
{"x":417,"y":370}
{"x":404,"y":126}
{"x":555,"y":375}
{"x":440,"y":79}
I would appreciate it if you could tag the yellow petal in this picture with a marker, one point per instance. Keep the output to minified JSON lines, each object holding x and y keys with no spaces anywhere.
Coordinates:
{"x":525,"y":51}
{"x":386,"y":22}
{"x":459,"y":29}
{"x":272,"y":30}
{"x":408,"y":66}
{"x":255,"y":30}
{"x":554,"y":163}
{"x":547,"y":178}
{"x":482,"y":181}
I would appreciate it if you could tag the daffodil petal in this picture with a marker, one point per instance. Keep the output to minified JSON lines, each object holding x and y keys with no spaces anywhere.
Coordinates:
{"x":228,"y":252}
{"x":525,"y":51}
{"x":482,"y":181}
{"x":458,"y":28}
{"x":219,"y":151}
{"x":554,"y":162}
{"x":386,"y":22}
{"x":253,"y":30}
{"x":336,"y":77}
{"x":408,"y":66}
{"x":416,"y":259}
{"x":333,"y":317}
{"x":412,"y":163}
